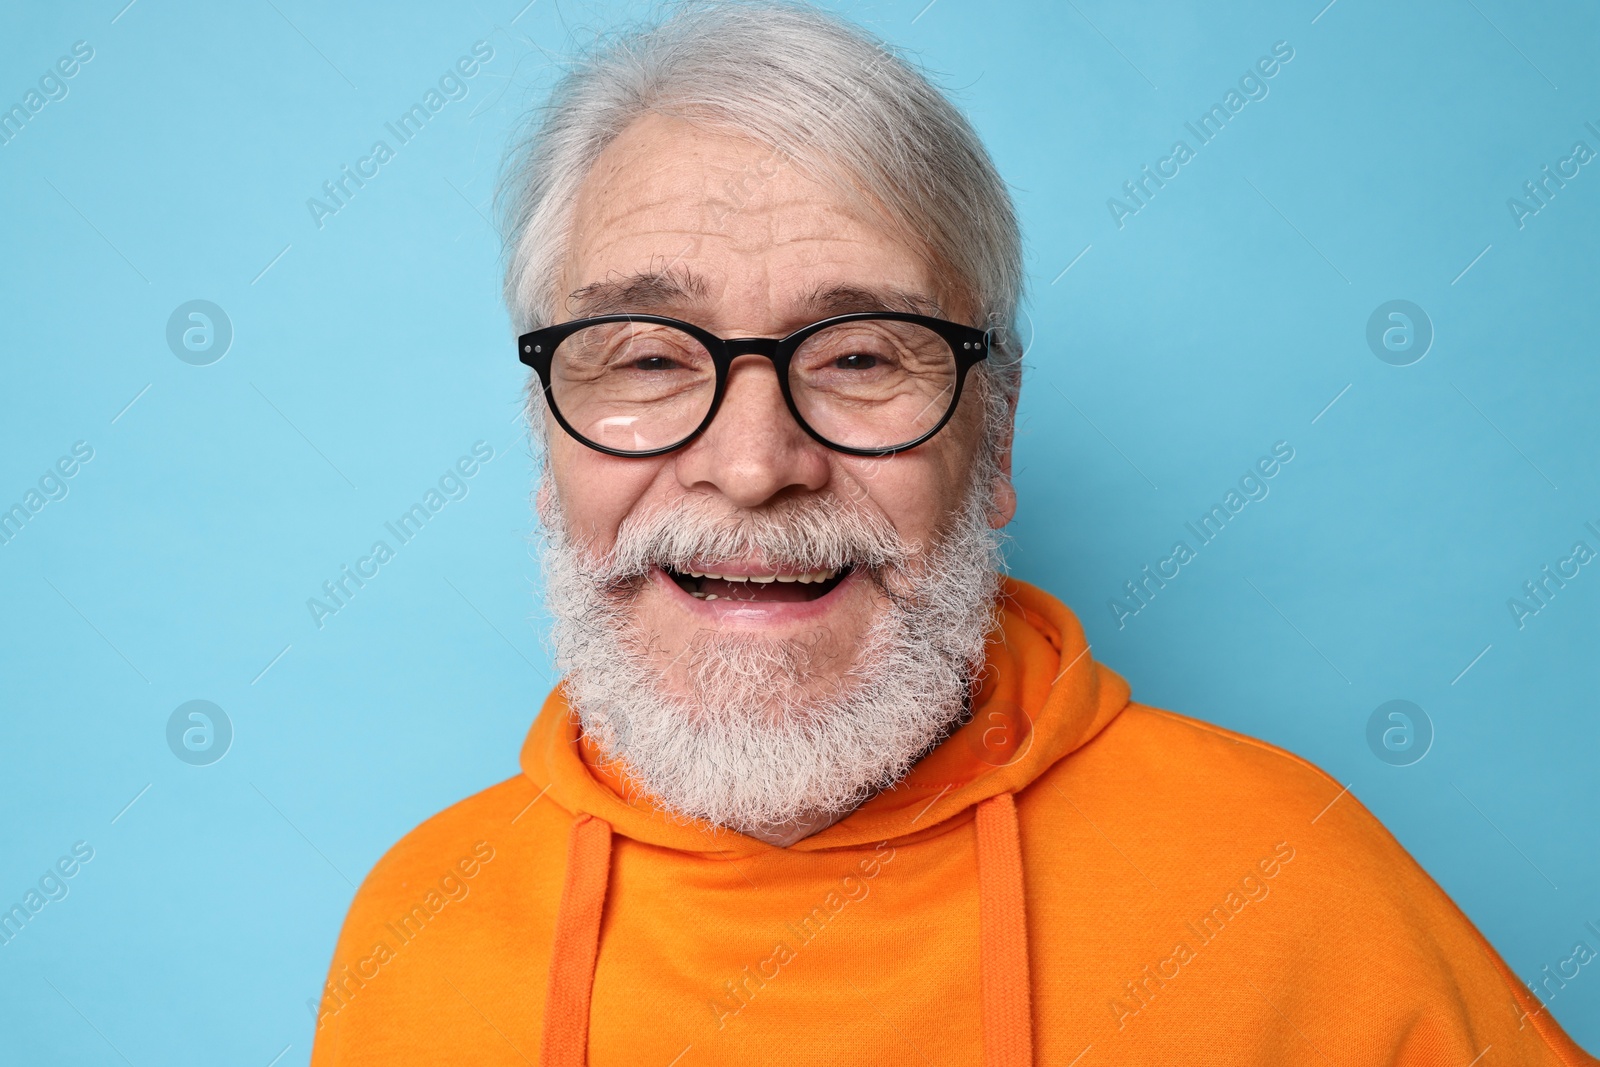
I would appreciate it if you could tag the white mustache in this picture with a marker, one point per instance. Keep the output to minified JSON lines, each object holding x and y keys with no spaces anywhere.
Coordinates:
{"x":798,"y":534}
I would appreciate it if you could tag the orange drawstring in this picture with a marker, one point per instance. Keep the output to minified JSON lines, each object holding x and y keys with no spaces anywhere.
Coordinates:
{"x":577,"y":945}
{"x":1003,"y":937}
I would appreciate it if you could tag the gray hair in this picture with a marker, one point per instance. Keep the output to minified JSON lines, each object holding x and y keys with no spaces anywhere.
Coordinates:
{"x":832,"y":100}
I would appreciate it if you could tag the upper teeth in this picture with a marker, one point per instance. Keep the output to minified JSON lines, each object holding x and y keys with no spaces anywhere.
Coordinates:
{"x":810,"y":576}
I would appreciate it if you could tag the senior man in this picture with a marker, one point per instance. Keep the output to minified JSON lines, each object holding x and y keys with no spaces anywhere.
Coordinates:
{"x":820,"y":786}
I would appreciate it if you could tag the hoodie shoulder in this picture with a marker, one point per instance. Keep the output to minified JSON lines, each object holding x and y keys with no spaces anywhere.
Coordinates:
{"x":1192,"y":751}
{"x":444,"y":836}
{"x":1199,"y":796}
{"x":1245,"y":853}
{"x":1202,"y":798}
{"x":512,"y":819}
{"x":450,"y":893}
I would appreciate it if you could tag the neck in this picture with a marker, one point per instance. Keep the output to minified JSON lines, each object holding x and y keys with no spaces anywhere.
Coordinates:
{"x":792,"y":831}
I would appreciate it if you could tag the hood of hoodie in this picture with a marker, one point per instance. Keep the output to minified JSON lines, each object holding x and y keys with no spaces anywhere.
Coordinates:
{"x":1041,"y":698}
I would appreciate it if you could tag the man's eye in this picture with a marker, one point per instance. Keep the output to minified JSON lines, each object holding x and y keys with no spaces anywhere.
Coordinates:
{"x":857,"y":361}
{"x":656,"y":363}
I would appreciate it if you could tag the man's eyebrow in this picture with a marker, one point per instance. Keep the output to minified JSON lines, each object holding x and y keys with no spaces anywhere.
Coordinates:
{"x":643,"y":292}
{"x":828,"y":300}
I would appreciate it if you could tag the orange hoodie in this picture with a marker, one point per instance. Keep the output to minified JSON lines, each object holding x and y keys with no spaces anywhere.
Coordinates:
{"x":1069,"y":879}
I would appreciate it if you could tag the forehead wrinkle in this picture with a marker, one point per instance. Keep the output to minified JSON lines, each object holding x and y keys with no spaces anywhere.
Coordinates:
{"x":677,"y":287}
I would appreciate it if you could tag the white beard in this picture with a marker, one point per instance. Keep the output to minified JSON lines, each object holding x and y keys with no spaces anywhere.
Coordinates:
{"x":753,"y":745}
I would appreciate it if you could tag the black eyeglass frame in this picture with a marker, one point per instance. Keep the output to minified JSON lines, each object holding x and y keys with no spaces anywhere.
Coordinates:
{"x":968,"y":344}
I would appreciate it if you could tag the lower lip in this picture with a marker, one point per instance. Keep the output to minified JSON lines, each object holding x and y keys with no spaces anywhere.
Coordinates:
{"x":729,"y":610}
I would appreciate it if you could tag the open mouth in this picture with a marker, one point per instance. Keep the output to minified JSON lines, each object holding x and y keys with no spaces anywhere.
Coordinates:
{"x":790,"y":587}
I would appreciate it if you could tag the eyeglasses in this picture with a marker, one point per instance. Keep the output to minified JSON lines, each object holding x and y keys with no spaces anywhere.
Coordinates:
{"x":867,"y":384}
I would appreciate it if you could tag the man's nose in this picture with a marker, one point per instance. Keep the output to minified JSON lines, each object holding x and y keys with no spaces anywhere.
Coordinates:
{"x":754,"y":449}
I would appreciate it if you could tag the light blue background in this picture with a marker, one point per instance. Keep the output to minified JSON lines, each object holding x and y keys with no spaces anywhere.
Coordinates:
{"x":1223,"y":317}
